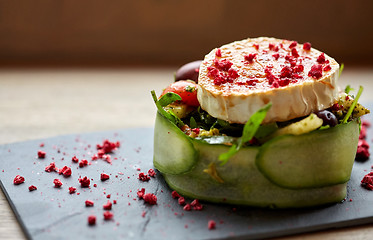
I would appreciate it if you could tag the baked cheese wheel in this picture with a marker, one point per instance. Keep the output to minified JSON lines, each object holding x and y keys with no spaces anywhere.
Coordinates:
{"x":239,"y":78}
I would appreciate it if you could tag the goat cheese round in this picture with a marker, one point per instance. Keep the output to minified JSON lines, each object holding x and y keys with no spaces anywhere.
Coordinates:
{"x":239,"y":78}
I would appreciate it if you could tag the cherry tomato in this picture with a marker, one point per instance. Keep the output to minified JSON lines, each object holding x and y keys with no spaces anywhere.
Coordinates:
{"x":187,"y":91}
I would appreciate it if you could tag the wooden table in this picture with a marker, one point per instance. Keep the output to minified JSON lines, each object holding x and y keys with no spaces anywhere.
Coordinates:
{"x":43,"y":103}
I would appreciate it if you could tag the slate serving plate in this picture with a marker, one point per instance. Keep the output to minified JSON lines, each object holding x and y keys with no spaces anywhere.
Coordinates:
{"x":53,"y":213}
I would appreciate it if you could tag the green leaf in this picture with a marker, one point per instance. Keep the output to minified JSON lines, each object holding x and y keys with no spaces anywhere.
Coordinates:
{"x":349,"y":112}
{"x":168,"y":98}
{"x":348,"y":89}
{"x":167,"y":114}
{"x":341,"y":69}
{"x":192,"y":123}
{"x":249,"y":130}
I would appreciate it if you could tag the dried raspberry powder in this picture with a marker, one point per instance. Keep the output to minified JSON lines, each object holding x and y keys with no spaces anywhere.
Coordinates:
{"x":174,"y":194}
{"x":57,"y":183}
{"x":293,"y":44}
{"x":307,"y":46}
{"x":108,"y":215}
{"x":144,"y":177}
{"x":107,"y":206}
{"x":41,"y":154}
{"x":223,"y":64}
{"x":151,"y":172}
{"x":211,"y":224}
{"x":89,"y":203}
{"x":65,"y":171}
{"x":18,"y":180}
{"x":92,"y":220}
{"x":141,"y":193}
{"x":218,"y":52}
{"x":72,"y":190}
{"x":321,"y":59}
{"x":367,"y":181}
{"x":75,"y":159}
{"x":250,"y":57}
{"x":327,"y":68}
{"x":51,"y":167}
{"x":150,"y":198}
{"x":316,"y":71}
{"x":84,"y":182}
{"x":32,"y":188}
{"x":104,"y":176}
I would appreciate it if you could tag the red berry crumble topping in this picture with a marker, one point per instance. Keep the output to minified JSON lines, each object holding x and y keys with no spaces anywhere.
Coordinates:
{"x":32,"y":188}
{"x":250,"y":57}
{"x":316,"y":71}
{"x":307,"y":46}
{"x":18,"y":180}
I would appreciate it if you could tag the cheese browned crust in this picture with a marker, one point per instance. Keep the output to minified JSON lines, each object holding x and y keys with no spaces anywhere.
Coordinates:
{"x":239,"y":78}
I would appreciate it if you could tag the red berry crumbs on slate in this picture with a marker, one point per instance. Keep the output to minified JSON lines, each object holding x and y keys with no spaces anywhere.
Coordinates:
{"x":84,"y":182}
{"x":143,"y":177}
{"x":141,"y":193}
{"x":18,"y":180}
{"x":150,"y":198}
{"x":91,"y":220}
{"x":41,"y":154}
{"x":181,"y":201}
{"x":196,"y":205}
{"x":65,"y":171}
{"x":57,"y":183}
{"x":107,"y":206}
{"x":75,"y":159}
{"x":32,"y":188}
{"x":151,"y":173}
{"x":174,"y":194}
{"x":51,"y":167}
{"x":72,"y":190}
{"x":367,"y":181}
{"x":211,"y":224}
{"x":187,"y":207}
{"x":89,"y":203}
{"x":83,"y":162}
{"x":108,"y":215}
{"x":108,"y":146}
{"x":104,"y":176}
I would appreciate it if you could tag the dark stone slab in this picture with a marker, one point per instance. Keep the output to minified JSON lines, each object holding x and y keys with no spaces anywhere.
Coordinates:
{"x":52,"y":213}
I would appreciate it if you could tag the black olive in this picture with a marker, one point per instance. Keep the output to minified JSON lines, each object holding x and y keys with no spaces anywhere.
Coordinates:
{"x":188,"y":71}
{"x":327,"y":117}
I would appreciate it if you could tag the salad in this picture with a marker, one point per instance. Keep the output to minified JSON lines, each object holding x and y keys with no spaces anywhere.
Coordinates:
{"x":258,"y":122}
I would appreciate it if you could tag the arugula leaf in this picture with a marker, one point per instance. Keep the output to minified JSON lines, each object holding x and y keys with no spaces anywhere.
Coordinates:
{"x":348,"y":89}
{"x":192,"y":123}
{"x":349,"y":112}
{"x":168,"y":98}
{"x":341,"y":69}
{"x":249,"y":130}
{"x":164,"y":101}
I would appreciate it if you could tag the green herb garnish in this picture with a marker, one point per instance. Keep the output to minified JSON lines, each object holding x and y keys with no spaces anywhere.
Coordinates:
{"x":351,"y":109}
{"x":249,"y":130}
{"x":348,"y":89}
{"x":165,"y":100}
{"x":341,"y":69}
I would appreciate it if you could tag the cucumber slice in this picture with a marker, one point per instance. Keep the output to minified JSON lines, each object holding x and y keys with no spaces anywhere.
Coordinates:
{"x":244,"y":184}
{"x":183,"y":161}
{"x":174,"y":152}
{"x":317,"y":159}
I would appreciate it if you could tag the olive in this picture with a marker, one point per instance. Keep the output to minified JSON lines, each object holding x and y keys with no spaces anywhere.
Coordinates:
{"x":188,"y":71}
{"x":327,"y":117}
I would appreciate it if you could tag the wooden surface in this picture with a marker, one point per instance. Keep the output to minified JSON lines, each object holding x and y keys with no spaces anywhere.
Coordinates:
{"x":37,"y":104}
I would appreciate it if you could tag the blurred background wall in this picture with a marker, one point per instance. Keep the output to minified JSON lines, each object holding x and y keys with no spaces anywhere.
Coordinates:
{"x":172,"y":32}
